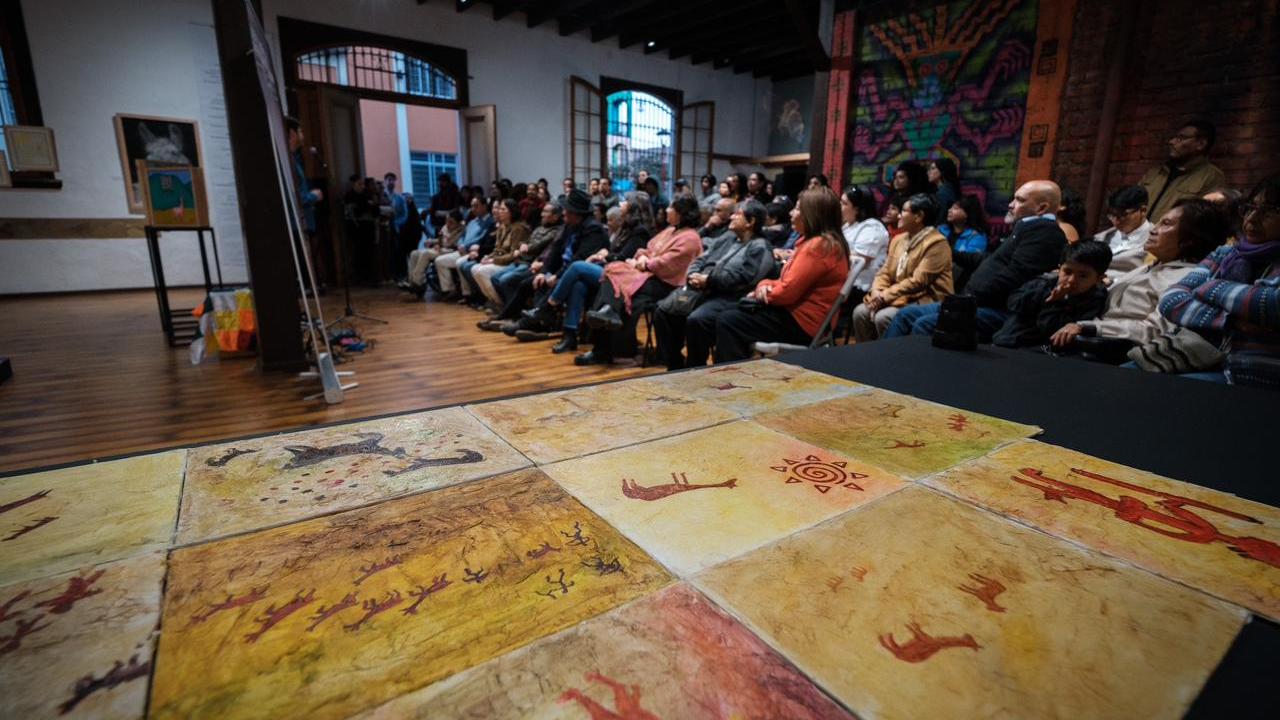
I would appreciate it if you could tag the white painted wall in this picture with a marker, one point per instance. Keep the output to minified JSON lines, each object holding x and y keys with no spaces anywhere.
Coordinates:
{"x":93,"y":59}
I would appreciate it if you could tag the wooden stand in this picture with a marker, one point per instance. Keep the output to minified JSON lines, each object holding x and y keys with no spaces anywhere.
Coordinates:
{"x":179,"y":325}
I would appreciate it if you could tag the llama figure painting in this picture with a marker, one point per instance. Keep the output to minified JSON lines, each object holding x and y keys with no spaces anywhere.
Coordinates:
{"x":158,"y":141}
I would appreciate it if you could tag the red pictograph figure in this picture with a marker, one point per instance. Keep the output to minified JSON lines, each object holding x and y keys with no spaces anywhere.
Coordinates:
{"x":28,"y":528}
{"x":823,"y":474}
{"x":680,"y":483}
{"x":543,"y":551}
{"x":558,"y":586}
{"x":626,"y":700}
{"x":858,"y":573}
{"x":890,"y":409}
{"x":374,"y":607}
{"x":957,"y":422}
{"x":1176,"y":521}
{"x":230,"y":603}
{"x":425,"y":591}
{"x":77,"y":589}
{"x":899,"y":444}
{"x":986,"y":590}
{"x":8,"y":604}
{"x":275,"y":615}
{"x":576,"y":537}
{"x":324,"y":612}
{"x":474,"y":576}
{"x":368,"y":571}
{"x":730,"y":386}
{"x":117,"y":675}
{"x":835,"y":582}
{"x":922,"y":645}
{"x":23,"y":628}
{"x":19,"y":503}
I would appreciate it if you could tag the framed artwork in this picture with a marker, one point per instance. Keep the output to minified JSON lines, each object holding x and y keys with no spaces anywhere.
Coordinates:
{"x":31,"y":148}
{"x":173,"y":195}
{"x":5,"y":180}
{"x":157,"y":140}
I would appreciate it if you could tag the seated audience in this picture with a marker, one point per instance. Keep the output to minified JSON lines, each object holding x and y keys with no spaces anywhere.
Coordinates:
{"x":1232,"y":299}
{"x":1228,"y":201}
{"x":605,"y":197}
{"x":817,"y":181}
{"x":478,"y":228}
{"x":514,"y":284}
{"x":868,"y":240}
{"x":777,"y":229}
{"x":430,"y":249}
{"x":1187,"y":173}
{"x":1033,"y":248}
{"x":1127,"y":238}
{"x":511,"y":236}
{"x":631,"y":230}
{"x":1182,"y":238}
{"x":791,"y":308}
{"x":917,"y":270}
{"x":707,"y":188}
{"x":756,"y":188}
{"x":630,"y":287}
{"x":730,"y":268}
{"x":966,"y":230}
{"x":910,"y":178}
{"x":1044,"y":305}
{"x":889,"y":218}
{"x":945,"y":177}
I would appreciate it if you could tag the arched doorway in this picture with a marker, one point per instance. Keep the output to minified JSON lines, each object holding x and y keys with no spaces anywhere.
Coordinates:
{"x":640,"y":131}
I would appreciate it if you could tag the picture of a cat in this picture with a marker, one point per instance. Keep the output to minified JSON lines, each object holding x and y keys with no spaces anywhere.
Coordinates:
{"x":163,"y":148}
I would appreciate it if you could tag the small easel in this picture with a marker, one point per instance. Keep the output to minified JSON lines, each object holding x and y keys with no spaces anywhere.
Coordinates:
{"x":178,"y":324}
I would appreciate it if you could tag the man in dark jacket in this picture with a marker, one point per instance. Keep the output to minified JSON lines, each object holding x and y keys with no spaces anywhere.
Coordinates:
{"x":1033,"y":248}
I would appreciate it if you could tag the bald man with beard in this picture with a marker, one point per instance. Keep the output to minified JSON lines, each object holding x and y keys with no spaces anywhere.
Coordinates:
{"x":1033,"y":248}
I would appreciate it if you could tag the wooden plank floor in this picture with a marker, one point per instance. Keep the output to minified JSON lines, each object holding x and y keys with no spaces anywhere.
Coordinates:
{"x":93,"y":376}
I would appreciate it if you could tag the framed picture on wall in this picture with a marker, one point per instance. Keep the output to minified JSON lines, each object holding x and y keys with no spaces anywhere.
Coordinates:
{"x":31,"y":148}
{"x":157,"y":140}
{"x":173,"y":195}
{"x":5,"y":180}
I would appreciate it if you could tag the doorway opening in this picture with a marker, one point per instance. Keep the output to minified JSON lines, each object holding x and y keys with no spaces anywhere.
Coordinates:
{"x":641,"y":131}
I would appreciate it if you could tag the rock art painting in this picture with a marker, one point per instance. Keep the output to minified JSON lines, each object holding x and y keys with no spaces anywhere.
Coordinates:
{"x":700,"y":498}
{"x":754,"y":387}
{"x":940,"y":609}
{"x":57,"y":520}
{"x":1209,"y":540}
{"x":252,"y":484}
{"x":331,"y":616}
{"x":670,"y":655}
{"x":79,"y":644}
{"x":561,"y":425}
{"x":899,"y":433}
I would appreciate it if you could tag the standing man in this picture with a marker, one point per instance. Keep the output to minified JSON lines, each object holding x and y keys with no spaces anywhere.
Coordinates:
{"x":1187,"y":173}
{"x":399,"y":209}
{"x":307,"y":196}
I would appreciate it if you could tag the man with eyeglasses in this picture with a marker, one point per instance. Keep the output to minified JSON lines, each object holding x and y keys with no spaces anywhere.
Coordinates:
{"x":1127,"y":211}
{"x":1187,"y":173}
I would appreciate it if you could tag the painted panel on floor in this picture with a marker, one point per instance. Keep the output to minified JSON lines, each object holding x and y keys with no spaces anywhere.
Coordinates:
{"x":753,"y":387}
{"x":1209,"y":540}
{"x":698,"y":499}
{"x":334,"y":615}
{"x":922,"y":606}
{"x":252,"y":484}
{"x":56,"y":520}
{"x":78,"y":645}
{"x":897,"y":432}
{"x":561,"y":425}
{"x":672,"y":654}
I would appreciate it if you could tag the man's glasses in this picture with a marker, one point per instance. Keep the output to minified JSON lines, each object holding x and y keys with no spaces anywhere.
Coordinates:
{"x":1247,"y":209}
{"x":1185,"y":137}
{"x":1117,"y":214}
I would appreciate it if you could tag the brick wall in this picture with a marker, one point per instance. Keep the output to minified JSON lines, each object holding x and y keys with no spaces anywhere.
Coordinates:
{"x":1213,"y":58}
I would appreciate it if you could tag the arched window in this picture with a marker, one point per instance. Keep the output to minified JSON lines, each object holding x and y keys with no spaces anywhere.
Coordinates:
{"x":641,"y":127}
{"x":375,"y":68}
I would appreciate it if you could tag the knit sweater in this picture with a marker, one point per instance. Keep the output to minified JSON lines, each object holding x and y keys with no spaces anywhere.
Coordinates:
{"x":810,"y":284}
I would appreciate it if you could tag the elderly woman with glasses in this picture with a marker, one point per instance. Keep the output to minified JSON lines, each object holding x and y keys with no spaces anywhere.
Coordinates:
{"x":1233,"y":298}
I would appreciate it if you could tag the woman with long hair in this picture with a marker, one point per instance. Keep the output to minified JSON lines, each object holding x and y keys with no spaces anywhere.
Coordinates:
{"x":867,"y":237}
{"x":791,"y":309}
{"x":756,"y":188}
{"x":945,"y":177}
{"x":582,"y":279}
{"x":632,"y":286}
{"x":511,"y":233}
{"x":909,"y":178}
{"x":738,"y":186}
{"x":967,"y":231}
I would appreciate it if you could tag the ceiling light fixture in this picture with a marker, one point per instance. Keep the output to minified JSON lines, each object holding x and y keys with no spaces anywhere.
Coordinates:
{"x":651,"y":44}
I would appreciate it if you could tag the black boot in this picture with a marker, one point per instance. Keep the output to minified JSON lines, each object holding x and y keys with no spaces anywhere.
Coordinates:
{"x":567,"y":343}
{"x":543,"y":315}
{"x":591,"y":357}
{"x":605,"y":318}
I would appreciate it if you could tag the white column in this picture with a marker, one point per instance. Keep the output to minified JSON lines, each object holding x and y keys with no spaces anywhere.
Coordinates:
{"x":402,"y":140}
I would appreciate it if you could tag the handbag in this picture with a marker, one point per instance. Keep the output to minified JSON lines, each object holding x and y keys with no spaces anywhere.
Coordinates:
{"x":1181,"y":351}
{"x":680,"y":302}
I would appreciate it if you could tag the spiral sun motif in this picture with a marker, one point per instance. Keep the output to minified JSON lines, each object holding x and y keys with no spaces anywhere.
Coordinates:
{"x":823,"y":474}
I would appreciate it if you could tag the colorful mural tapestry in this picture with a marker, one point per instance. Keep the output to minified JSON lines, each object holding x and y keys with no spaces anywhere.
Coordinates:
{"x":951,"y":82}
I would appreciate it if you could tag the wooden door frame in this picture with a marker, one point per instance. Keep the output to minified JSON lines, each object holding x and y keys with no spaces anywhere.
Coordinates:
{"x":484,"y":112}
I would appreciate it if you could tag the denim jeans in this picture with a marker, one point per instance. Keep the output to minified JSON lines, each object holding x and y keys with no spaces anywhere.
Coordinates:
{"x":579,"y":282}
{"x":922,"y":319}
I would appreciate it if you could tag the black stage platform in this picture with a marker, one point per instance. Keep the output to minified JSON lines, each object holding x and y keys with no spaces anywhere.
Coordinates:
{"x":1203,"y":433}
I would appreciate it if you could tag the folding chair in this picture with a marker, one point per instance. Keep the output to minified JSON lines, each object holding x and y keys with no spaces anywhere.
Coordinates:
{"x":826,"y":331}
